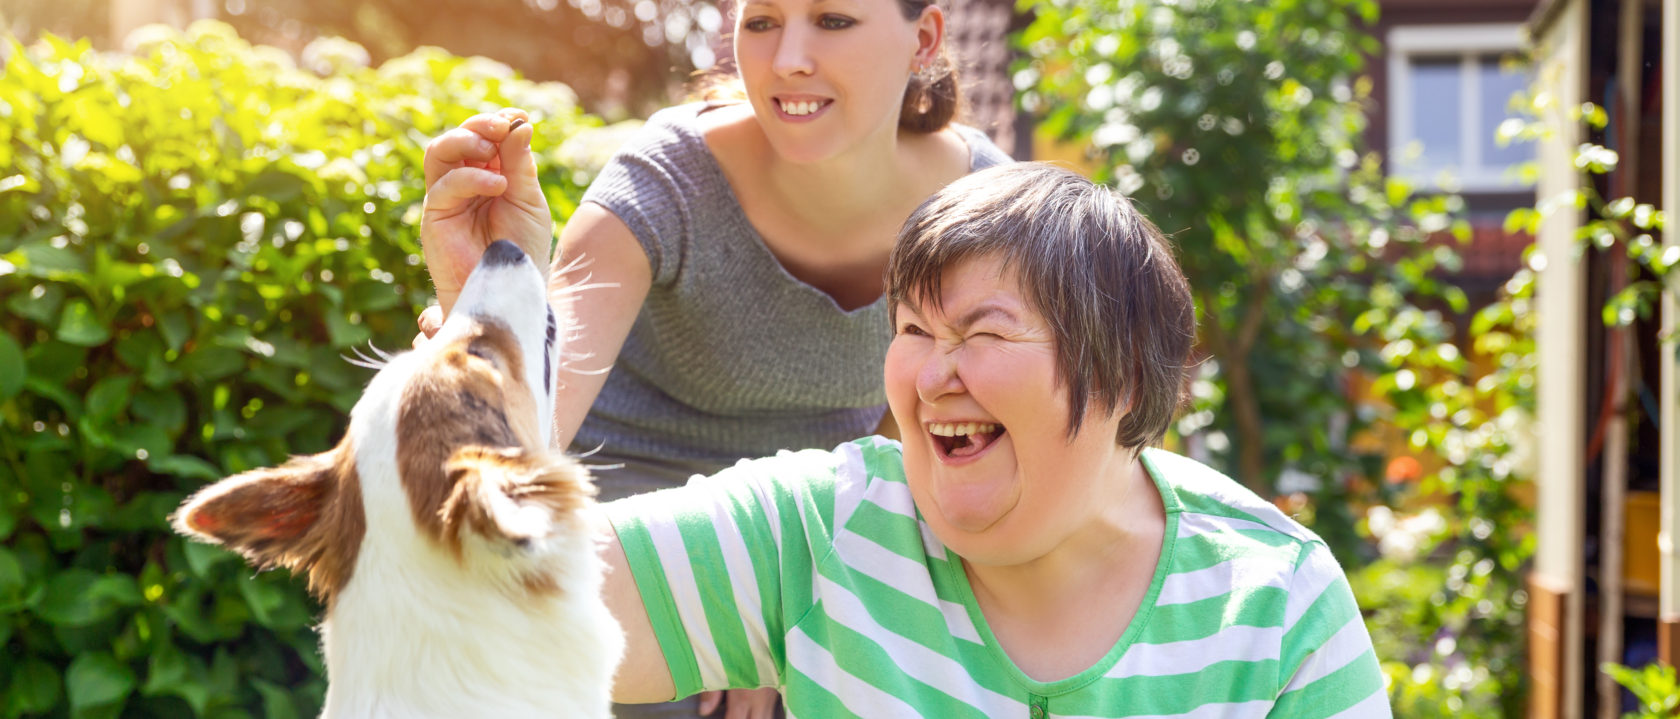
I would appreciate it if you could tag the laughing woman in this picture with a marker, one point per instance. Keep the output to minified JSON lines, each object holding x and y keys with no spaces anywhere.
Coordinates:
{"x":1022,"y":553}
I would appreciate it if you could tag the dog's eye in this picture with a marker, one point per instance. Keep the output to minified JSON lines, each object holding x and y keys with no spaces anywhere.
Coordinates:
{"x":484,"y":352}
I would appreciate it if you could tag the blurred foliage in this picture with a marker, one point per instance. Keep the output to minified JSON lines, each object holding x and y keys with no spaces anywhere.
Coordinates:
{"x":623,"y":57}
{"x":1447,"y":616}
{"x":191,"y":239}
{"x":1326,"y":311}
{"x":1656,"y":687}
{"x":1609,"y":224}
{"x":1237,"y":128}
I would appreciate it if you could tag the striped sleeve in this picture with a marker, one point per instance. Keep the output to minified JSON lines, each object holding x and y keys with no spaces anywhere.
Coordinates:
{"x":725,"y":563}
{"x":1329,"y":668}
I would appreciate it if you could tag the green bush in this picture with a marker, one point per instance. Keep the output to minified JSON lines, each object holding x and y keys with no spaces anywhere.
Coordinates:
{"x":192,"y":237}
{"x":1656,"y":687}
{"x":1239,"y":128}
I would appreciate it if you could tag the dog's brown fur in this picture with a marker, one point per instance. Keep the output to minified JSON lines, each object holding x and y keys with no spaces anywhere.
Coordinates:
{"x":463,"y":400}
{"x":305,"y":515}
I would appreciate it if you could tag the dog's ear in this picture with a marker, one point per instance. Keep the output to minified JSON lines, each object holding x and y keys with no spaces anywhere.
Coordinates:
{"x":512,"y":494}
{"x":286,"y":516}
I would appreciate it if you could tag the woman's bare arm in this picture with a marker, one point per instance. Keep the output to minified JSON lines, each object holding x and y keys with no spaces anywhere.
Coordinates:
{"x":597,"y":284}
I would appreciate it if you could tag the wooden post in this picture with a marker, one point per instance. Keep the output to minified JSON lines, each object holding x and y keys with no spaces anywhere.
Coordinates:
{"x":1560,"y":31}
{"x":1668,"y":608}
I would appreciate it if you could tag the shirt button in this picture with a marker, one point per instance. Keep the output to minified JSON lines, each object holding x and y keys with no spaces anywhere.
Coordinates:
{"x":1038,"y":712}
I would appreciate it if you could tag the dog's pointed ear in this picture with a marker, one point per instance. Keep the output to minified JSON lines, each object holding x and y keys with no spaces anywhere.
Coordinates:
{"x":266,"y":514}
{"x":512,"y":494}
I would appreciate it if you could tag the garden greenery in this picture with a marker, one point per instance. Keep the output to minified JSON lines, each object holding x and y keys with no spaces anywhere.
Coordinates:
{"x":192,"y":237}
{"x":1323,"y":309}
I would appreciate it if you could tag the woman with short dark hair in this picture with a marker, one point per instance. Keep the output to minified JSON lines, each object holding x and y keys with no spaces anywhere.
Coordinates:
{"x":1021,"y":553}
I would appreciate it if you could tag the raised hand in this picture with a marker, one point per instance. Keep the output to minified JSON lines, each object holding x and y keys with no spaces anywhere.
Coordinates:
{"x":481,"y":186}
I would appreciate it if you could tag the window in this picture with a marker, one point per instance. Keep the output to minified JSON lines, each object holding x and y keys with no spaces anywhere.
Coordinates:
{"x":1449,"y":88}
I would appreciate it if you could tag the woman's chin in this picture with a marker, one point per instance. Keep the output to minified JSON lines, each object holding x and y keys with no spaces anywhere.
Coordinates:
{"x":971,"y":509}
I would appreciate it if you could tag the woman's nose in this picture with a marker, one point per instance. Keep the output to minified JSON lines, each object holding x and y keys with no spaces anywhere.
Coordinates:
{"x":793,"y":56}
{"x":938,"y":375}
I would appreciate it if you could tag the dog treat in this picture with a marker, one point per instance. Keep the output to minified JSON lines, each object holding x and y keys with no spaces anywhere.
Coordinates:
{"x":516,"y":123}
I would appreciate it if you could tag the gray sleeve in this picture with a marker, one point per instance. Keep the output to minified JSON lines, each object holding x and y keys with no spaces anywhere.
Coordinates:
{"x":644,"y":189}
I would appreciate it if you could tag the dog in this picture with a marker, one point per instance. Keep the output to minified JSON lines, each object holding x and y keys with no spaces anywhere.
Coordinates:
{"x":454,"y":552}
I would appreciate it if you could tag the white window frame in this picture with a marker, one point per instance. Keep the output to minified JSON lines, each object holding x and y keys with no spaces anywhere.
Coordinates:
{"x":1469,"y":42}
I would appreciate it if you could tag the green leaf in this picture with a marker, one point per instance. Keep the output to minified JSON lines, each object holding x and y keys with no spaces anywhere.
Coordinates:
{"x":266,"y":599}
{"x":109,"y":397}
{"x":139,"y":440}
{"x":140,"y":350}
{"x":71,"y":404}
{"x":78,"y":597}
{"x":45,"y":261}
{"x":201,"y":557}
{"x":40,"y":303}
{"x":97,"y":679}
{"x":176,"y":326}
{"x":160,"y":408}
{"x":208,"y":364}
{"x":34,"y":687}
{"x":342,"y":333}
{"x":80,"y":326}
{"x":13,"y":583}
{"x":277,"y":700}
{"x":171,"y":673}
{"x":185,"y":466}
{"x":13,"y":368}
{"x":275,"y":185}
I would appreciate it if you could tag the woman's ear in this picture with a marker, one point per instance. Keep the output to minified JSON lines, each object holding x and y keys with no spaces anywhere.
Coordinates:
{"x":930,"y":36}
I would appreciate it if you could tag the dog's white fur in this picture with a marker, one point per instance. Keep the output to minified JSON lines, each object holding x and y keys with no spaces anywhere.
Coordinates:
{"x":495,"y":610}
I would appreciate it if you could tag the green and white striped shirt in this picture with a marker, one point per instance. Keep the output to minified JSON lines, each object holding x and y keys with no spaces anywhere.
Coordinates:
{"x":811,"y":572}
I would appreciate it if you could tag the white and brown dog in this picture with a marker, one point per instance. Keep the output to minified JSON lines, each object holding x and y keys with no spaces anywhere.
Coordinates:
{"x":453,"y":550}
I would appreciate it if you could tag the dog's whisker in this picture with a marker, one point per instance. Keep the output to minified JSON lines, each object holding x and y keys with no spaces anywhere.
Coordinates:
{"x":582,"y":287}
{"x":591,"y":452}
{"x":382,"y":354}
{"x":362,"y":360}
{"x":568,"y":291}
{"x":578,"y":263}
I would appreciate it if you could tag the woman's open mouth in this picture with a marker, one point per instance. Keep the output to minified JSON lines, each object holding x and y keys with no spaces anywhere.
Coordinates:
{"x":957,"y":440}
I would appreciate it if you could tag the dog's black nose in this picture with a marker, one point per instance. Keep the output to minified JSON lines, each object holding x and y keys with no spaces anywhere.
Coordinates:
{"x":502,"y":252}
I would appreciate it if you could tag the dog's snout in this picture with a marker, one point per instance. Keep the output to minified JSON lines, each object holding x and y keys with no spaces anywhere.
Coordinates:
{"x":502,"y":253}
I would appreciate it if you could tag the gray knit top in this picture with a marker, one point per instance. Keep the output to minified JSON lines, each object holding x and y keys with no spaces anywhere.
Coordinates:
{"x":730,"y":357}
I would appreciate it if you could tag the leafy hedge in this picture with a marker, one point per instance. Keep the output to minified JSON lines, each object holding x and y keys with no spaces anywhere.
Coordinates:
{"x":192,"y":236}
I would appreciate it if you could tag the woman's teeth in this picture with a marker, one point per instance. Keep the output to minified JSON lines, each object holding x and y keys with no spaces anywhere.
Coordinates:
{"x":801,"y":107}
{"x":952,"y":429}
